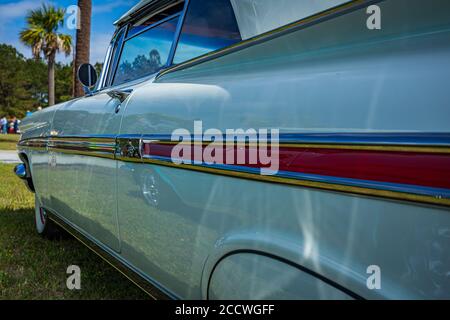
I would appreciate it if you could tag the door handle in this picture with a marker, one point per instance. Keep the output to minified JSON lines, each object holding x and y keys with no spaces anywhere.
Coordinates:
{"x":121,"y":95}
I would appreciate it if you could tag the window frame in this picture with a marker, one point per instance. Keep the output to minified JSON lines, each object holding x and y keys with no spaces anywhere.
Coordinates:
{"x":112,"y":58}
{"x":185,"y":11}
{"x":112,"y":76}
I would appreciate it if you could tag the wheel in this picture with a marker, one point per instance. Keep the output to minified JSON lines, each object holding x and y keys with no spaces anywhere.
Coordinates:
{"x":44,"y":226}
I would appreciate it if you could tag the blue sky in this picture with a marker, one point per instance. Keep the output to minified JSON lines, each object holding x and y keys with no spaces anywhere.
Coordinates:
{"x":104,"y":13}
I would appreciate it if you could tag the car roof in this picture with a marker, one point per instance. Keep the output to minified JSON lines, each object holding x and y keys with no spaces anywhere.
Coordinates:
{"x":156,"y":4}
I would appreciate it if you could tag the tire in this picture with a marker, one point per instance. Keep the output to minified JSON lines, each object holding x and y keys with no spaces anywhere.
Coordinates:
{"x":44,"y":226}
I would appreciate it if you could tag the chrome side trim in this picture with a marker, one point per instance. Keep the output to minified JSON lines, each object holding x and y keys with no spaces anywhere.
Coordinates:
{"x":103,"y":147}
{"x":33,"y":143}
{"x":362,"y":187}
{"x":128,"y":148}
{"x":402,"y":142}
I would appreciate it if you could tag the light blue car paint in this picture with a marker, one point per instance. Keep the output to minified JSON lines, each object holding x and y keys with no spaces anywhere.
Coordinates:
{"x":335,"y":76}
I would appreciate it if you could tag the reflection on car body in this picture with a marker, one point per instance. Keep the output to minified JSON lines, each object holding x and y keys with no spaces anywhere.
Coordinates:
{"x":364,"y":151}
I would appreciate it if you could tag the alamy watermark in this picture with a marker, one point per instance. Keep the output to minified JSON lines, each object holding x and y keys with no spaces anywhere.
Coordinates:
{"x":373,"y":282}
{"x":254,"y":148}
{"x":374,"y":20}
{"x":73,"y":20}
{"x":73,"y":281}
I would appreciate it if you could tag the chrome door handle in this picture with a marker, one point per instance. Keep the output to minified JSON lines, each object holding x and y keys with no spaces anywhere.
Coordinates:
{"x":121,"y":95}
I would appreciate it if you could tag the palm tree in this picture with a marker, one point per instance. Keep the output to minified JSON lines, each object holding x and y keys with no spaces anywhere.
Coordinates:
{"x":43,"y":37}
{"x":83,"y":42}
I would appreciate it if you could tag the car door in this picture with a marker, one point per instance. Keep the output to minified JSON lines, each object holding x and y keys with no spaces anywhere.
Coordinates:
{"x":158,"y":230}
{"x":312,"y":82}
{"x":82,"y":169}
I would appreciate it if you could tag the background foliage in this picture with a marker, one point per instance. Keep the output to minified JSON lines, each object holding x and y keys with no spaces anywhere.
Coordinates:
{"x":32,"y":267}
{"x":23,"y":83}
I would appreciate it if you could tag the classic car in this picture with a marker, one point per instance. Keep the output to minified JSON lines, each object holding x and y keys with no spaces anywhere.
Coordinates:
{"x":358,"y":207}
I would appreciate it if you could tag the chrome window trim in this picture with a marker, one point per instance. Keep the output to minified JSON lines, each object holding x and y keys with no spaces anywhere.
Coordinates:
{"x":101,"y":81}
{"x":106,"y":76}
{"x":174,"y":47}
{"x":152,"y":26}
{"x":148,"y":9}
{"x":155,"y":12}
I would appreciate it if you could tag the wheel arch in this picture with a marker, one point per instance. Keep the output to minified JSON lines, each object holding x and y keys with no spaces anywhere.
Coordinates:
{"x":275,"y":250}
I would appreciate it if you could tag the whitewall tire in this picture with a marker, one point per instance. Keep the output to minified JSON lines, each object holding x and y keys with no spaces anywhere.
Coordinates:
{"x":44,"y":226}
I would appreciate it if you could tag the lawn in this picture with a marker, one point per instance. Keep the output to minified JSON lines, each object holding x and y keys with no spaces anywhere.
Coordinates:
{"x":34,"y":268}
{"x":8,"y":141}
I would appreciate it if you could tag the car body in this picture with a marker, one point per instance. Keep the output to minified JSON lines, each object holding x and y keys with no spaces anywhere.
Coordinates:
{"x":360,"y":205}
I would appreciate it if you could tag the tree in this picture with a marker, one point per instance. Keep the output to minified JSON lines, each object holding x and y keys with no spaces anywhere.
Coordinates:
{"x":140,"y":67}
{"x":43,"y":37}
{"x":23,"y":83}
{"x":83,"y":43}
{"x":12,"y":82}
{"x":98,"y":67}
{"x":64,"y":83}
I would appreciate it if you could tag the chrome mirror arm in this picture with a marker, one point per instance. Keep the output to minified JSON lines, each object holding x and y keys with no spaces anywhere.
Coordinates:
{"x":87,"y":91}
{"x":121,"y":95}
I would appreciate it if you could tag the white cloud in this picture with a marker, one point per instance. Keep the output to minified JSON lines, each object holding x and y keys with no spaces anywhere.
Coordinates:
{"x":15,"y":10}
{"x":99,"y":45}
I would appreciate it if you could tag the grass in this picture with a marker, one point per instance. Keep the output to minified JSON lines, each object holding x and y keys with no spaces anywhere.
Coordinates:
{"x":8,"y":141}
{"x":34,"y":268}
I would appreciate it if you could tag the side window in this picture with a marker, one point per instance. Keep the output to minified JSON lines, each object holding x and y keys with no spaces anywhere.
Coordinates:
{"x":208,"y":26}
{"x":255,"y":17}
{"x":146,"y":52}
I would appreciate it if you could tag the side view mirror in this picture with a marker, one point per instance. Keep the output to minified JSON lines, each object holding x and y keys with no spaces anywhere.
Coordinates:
{"x":87,"y":75}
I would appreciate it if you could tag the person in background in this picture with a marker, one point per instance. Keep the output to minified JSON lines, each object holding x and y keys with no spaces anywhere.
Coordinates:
{"x":29,"y":113}
{"x":11,"y":125}
{"x":16,"y":125}
{"x":3,"y":125}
